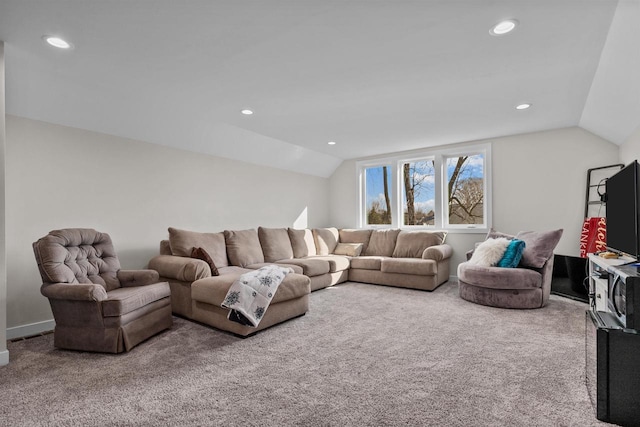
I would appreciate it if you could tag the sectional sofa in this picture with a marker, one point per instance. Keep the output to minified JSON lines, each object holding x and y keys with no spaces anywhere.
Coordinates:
{"x":319,"y":257}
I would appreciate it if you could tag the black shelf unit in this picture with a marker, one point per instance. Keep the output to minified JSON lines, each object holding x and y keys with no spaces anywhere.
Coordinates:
{"x":588,"y":200}
{"x":612,"y":358}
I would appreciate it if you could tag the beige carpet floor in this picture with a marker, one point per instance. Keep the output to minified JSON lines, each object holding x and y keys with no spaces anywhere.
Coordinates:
{"x":363,"y":355}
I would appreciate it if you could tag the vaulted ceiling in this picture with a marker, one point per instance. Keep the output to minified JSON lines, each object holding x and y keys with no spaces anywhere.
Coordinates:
{"x":373,"y":76}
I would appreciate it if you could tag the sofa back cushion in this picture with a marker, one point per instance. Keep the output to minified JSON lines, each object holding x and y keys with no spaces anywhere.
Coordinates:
{"x":326,"y":240}
{"x":275,"y":244}
{"x":182,"y":243}
{"x":382,"y":242}
{"x":302,"y":242}
{"x":411,"y":244}
{"x":348,"y":235}
{"x":243,"y":247}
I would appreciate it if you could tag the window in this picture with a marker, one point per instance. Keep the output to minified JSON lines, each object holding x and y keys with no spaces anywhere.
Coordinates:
{"x":378,"y":198}
{"x":438,"y":189}
{"x":465,"y":189}
{"x":418,"y":192}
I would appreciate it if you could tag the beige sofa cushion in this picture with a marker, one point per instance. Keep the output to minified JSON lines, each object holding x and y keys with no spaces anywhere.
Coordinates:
{"x":310,"y":266}
{"x":421,"y":267}
{"x":302,"y":242}
{"x":243,"y":247}
{"x":295,"y":268}
{"x":367,"y":262}
{"x":411,"y":244}
{"x":336,"y":262}
{"x":326,"y":240}
{"x":213,"y":290}
{"x":275,"y":244}
{"x":348,"y":235}
{"x":382,"y":242}
{"x":182,"y":243}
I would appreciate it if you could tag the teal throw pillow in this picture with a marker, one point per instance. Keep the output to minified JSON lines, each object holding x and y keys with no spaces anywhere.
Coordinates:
{"x":513,"y":254}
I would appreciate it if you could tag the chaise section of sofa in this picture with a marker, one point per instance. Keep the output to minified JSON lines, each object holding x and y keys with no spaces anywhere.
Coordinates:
{"x":290,"y":300}
{"x":197,"y":293}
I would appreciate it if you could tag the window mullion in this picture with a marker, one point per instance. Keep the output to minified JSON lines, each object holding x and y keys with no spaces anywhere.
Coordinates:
{"x":396,"y":184}
{"x":439,"y":198}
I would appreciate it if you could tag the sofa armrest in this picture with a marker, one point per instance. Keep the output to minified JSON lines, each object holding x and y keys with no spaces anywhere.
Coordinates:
{"x":130,"y":278}
{"x":74,"y":291}
{"x":180,"y":268}
{"x":438,"y":252}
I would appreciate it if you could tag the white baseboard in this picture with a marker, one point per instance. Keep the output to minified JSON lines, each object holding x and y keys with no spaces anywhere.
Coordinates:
{"x":30,"y":329}
{"x":453,"y":278}
{"x":4,"y":357}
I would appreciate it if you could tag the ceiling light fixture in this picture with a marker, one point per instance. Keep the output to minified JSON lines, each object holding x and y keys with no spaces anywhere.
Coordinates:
{"x":331,"y":143}
{"x":246,"y":112}
{"x":57,"y":42}
{"x":522,"y":106}
{"x":503,"y":27}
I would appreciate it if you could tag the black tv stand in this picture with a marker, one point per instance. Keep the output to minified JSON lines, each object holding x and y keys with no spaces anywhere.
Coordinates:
{"x":612,"y":357}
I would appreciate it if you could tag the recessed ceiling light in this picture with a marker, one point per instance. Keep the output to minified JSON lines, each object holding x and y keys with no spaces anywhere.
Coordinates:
{"x":331,"y":143}
{"x":522,"y":106}
{"x":503,"y":27}
{"x":57,"y":42}
{"x":246,"y":112}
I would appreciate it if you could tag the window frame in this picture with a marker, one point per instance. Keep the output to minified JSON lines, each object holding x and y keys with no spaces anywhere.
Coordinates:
{"x":362,"y":193}
{"x":436,"y":183}
{"x":439,"y":156}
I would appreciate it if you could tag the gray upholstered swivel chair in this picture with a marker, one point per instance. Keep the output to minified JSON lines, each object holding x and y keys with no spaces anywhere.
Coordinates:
{"x":526,"y":286}
{"x":96,"y":305}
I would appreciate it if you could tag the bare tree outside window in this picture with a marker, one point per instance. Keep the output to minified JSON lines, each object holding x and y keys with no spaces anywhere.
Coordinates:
{"x":465,"y":189}
{"x":378,"y":203}
{"x":419,"y":194}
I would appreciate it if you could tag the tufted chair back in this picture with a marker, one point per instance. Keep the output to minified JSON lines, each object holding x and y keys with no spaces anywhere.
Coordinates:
{"x":77,"y":255}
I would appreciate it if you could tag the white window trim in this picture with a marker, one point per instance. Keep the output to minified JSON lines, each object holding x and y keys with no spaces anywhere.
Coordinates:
{"x":362,"y":199}
{"x":437,"y":205}
{"x":441,"y":207}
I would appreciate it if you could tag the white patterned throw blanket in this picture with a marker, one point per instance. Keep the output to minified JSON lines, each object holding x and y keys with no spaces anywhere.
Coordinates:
{"x":249,"y":297}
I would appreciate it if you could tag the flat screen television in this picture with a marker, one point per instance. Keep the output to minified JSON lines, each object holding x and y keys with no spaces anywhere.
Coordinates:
{"x":623,"y":215}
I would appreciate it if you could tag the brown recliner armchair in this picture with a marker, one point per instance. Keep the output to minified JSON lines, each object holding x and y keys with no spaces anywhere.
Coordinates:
{"x":96,"y":305}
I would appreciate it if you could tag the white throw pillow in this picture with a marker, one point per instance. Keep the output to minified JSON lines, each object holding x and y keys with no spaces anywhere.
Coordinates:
{"x":489,"y":252}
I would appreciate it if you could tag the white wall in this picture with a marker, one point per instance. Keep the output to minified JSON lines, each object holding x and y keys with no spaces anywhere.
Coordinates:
{"x":539,"y":183}
{"x":612,"y":109}
{"x":4,"y":354}
{"x":60,"y":177}
{"x":630,"y":150}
